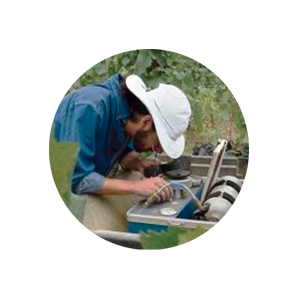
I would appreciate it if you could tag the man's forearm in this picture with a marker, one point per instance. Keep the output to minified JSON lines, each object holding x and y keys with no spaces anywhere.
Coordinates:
{"x":143,"y":188}
{"x":117,"y":187}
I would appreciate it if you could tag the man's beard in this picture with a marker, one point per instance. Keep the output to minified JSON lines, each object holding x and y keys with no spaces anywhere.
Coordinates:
{"x":138,"y":140}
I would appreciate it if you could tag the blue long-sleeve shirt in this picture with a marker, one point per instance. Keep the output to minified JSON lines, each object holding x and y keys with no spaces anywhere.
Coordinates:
{"x":94,"y":116}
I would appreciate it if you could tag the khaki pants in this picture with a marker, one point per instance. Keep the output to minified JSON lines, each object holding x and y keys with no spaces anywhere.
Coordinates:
{"x":105,"y":212}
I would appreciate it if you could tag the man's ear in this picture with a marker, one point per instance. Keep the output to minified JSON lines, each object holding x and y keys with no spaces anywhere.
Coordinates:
{"x":146,"y":122}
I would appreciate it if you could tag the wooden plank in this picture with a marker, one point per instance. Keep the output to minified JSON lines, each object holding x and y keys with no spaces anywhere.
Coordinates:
{"x":202,"y":170}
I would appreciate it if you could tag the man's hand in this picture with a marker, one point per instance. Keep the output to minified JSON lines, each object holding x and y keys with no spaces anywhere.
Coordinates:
{"x":148,"y":186}
{"x":143,"y":187}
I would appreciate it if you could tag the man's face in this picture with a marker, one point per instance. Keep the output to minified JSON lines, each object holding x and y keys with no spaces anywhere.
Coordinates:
{"x":147,"y":140}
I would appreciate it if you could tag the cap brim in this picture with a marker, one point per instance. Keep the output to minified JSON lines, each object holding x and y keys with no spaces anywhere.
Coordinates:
{"x":173,"y":148}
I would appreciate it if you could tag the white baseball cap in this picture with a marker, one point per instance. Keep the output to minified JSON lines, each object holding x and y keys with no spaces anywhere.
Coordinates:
{"x":170,"y":110}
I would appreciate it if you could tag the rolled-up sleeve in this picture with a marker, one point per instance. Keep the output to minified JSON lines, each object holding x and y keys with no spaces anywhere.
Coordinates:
{"x":90,"y":184}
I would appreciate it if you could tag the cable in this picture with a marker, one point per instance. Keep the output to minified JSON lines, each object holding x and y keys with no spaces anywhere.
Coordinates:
{"x":177,"y":184}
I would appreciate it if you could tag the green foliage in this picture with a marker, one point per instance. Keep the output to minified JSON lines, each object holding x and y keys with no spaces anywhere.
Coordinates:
{"x":215,"y":111}
{"x":63,"y":156}
{"x":174,"y":236}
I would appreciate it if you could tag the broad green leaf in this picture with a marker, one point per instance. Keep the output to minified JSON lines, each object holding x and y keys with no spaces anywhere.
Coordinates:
{"x":188,"y":82}
{"x":162,"y":240}
{"x":159,"y":56}
{"x":191,"y":235}
{"x":63,"y":156}
{"x":100,"y":69}
{"x":181,"y":75}
{"x":174,"y":236}
{"x":143,"y":61}
{"x":125,"y":60}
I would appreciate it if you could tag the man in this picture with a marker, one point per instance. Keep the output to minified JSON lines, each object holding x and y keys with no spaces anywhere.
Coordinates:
{"x":115,"y":120}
